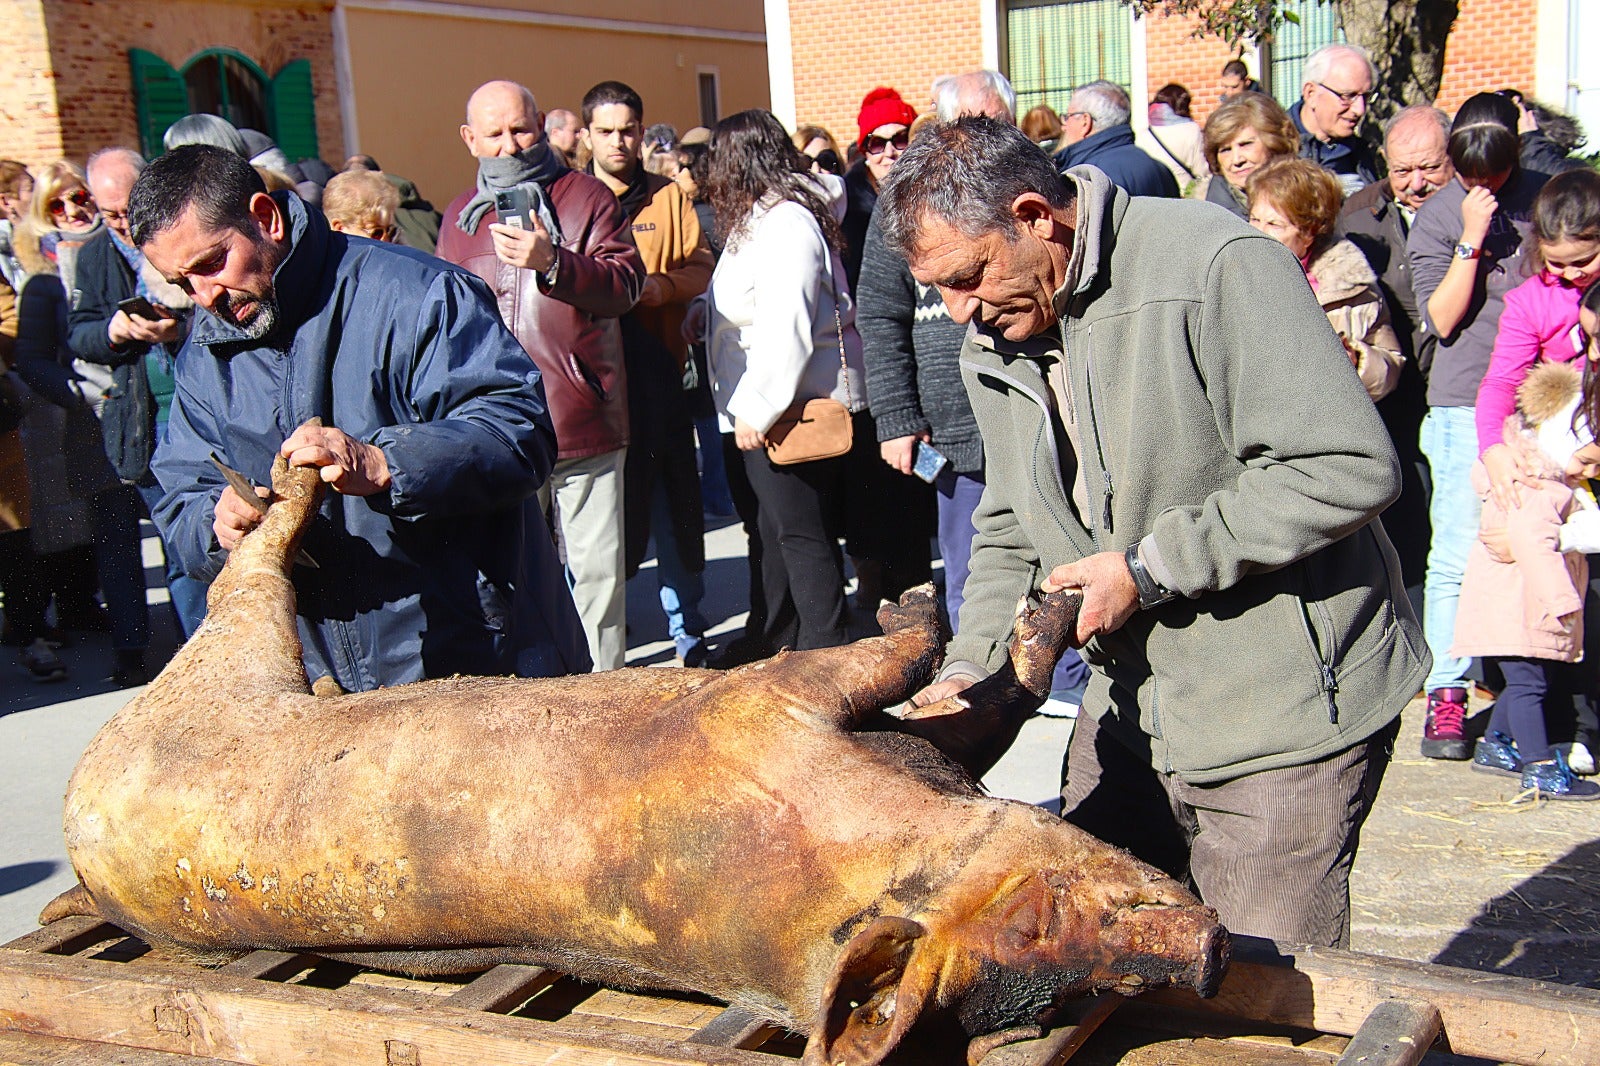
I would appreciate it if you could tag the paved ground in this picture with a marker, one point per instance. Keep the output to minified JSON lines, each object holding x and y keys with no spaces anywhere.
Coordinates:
{"x":1449,"y":870}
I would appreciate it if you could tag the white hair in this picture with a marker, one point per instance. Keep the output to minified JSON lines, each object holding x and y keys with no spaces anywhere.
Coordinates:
{"x":1103,"y":101}
{"x":947,"y":92}
{"x":1320,"y":63}
{"x":1414,"y":113}
{"x":125,"y":156}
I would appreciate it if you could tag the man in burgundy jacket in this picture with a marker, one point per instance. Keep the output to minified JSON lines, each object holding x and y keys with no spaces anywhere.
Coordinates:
{"x":563,"y":272}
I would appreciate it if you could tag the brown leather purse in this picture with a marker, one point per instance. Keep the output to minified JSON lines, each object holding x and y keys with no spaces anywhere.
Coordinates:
{"x":814,"y":429}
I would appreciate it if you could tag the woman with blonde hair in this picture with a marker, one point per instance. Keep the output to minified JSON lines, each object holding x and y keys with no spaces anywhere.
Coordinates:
{"x":1296,"y":202}
{"x":362,"y":203}
{"x":1246,"y":133}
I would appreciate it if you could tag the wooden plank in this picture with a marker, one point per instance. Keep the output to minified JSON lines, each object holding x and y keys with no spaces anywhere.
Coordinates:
{"x":736,"y":1027}
{"x":669,"y":1010}
{"x":68,"y":936}
{"x":1075,"y":1025}
{"x":260,"y":1023}
{"x":26,"y":1049}
{"x":1508,"y":1019}
{"x":1396,"y":1033}
{"x":503,"y":989}
{"x":267,"y":965}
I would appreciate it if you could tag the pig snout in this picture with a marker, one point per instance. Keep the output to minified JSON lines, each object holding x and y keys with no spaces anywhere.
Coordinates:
{"x":1162,"y":936}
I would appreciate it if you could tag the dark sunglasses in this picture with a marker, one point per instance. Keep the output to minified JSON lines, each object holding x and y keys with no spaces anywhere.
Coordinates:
{"x":874,"y":145}
{"x":80,"y":197}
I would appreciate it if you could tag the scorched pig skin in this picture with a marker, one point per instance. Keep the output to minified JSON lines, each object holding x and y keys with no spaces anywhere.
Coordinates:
{"x":728,"y":833}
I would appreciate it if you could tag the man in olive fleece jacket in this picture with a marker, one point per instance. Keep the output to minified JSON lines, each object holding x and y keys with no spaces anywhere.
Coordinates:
{"x":1172,"y":427}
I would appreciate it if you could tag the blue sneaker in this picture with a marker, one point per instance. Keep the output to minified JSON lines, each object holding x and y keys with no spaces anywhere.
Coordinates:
{"x":1496,"y":753}
{"x":1553,"y":779}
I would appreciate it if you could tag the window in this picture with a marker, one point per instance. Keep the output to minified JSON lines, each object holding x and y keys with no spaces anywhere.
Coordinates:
{"x":220,"y":81}
{"x":710,"y":104}
{"x":1291,"y":43}
{"x":1054,"y":46}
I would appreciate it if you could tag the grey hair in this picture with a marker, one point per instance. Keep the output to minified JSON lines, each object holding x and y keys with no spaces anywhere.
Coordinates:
{"x":205,"y":129}
{"x":1413,"y":113}
{"x":559,"y":118}
{"x":1103,"y":101}
{"x":966,"y":173}
{"x":947,"y":92}
{"x":1320,"y":63}
{"x":114,"y":155}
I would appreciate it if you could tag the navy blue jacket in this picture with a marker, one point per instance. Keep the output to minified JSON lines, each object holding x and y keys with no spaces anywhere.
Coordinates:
{"x":1125,"y":163}
{"x":437,"y":575}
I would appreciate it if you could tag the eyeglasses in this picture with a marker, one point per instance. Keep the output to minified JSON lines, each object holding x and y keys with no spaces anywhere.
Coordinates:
{"x":1345,"y":99}
{"x":875,"y":145}
{"x":78,"y":197}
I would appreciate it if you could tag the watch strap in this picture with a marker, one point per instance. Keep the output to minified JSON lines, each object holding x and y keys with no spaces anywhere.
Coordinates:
{"x":1151,"y":592}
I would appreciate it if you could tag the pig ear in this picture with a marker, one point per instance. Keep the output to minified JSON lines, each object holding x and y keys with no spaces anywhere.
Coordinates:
{"x":870,"y":1001}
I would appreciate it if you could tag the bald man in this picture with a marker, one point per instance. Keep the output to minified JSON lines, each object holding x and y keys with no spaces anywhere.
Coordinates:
{"x":564,"y":268}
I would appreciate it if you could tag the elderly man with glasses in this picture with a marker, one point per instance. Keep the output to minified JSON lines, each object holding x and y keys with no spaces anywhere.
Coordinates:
{"x":1333,"y":100}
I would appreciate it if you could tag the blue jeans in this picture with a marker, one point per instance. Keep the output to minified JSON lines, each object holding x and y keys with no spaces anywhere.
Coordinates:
{"x":1450,"y":442}
{"x":682,"y":589}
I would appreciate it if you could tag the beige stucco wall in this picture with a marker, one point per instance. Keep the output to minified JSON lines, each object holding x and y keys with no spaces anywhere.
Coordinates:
{"x":411,"y":74}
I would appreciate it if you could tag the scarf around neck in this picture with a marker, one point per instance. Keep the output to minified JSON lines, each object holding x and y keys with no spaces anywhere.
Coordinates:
{"x":534,"y":170}
{"x":632,"y":199}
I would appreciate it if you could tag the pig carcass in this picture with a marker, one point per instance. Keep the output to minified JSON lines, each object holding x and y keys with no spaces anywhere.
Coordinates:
{"x":728,"y":833}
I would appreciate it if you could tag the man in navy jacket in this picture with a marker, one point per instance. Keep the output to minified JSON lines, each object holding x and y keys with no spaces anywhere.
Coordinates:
{"x":1095,"y":130}
{"x":435,"y":431}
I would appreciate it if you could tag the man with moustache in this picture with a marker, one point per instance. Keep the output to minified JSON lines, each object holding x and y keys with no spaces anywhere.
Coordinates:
{"x":1377,"y":220}
{"x":434,"y":431}
{"x":562,"y":281}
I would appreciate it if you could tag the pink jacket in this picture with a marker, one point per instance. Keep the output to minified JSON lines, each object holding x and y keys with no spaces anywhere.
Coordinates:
{"x":1540,"y":321}
{"x":1532,"y":607}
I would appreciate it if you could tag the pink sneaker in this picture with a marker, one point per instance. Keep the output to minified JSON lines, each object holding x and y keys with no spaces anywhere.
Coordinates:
{"x":1442,"y":734}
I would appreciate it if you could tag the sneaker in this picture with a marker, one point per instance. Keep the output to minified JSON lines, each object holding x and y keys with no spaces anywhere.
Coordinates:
{"x":1553,"y":779}
{"x":1496,"y":753}
{"x":692,"y":652}
{"x":1580,"y":759}
{"x":42,"y":662}
{"x":1442,"y":735}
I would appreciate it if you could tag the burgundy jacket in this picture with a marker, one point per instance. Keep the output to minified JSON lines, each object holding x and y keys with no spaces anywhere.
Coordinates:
{"x":570,"y":329}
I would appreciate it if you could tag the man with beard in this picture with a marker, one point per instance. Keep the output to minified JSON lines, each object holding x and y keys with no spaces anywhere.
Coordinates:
{"x":662,"y":479}
{"x":563,"y":271}
{"x":434,"y":431}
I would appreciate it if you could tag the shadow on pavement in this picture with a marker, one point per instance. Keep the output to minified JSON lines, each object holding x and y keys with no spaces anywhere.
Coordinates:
{"x":1546,"y":928}
{"x":17,"y":877}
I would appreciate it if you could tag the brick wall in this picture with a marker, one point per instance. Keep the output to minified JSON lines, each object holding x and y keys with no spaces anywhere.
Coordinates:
{"x":30,"y":128}
{"x":1492,"y":46}
{"x":1174,"y":54}
{"x":86,"y":63}
{"x":843,"y":48}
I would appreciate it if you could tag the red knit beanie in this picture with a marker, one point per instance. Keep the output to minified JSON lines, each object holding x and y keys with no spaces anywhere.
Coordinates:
{"x":880,"y":108}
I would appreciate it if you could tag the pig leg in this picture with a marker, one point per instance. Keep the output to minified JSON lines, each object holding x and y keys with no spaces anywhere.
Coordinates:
{"x":842,"y":685}
{"x":976,"y":726}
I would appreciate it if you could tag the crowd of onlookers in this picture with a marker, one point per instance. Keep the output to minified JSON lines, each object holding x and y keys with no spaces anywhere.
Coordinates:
{"x":683,"y":295}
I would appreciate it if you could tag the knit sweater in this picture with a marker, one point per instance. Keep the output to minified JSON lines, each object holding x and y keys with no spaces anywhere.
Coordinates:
{"x":912,"y":349}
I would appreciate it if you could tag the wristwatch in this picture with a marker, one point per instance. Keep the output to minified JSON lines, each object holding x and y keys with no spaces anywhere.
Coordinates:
{"x":1152,"y":593}
{"x":1467,"y":251}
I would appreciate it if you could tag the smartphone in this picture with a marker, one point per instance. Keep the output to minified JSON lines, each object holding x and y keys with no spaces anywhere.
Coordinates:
{"x":514,"y":208}
{"x":927,"y":461}
{"x":139,"y":307}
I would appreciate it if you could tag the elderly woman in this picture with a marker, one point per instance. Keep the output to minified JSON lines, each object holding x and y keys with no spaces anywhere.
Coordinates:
{"x":362,"y":203}
{"x":1297,"y":203}
{"x":782,"y":330}
{"x":1244,"y":134}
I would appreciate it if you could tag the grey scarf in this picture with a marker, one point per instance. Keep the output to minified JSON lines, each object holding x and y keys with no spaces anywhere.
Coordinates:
{"x":535,"y":169}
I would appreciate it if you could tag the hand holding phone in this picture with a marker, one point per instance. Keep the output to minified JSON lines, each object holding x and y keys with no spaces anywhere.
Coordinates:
{"x":513,"y":207}
{"x":927,"y":461}
{"x":139,"y":307}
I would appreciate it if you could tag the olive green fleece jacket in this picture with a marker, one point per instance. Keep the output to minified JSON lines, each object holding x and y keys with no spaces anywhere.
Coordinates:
{"x":1223,"y":428}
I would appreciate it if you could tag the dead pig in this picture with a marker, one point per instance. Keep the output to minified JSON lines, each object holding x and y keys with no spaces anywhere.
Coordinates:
{"x":725,"y":833}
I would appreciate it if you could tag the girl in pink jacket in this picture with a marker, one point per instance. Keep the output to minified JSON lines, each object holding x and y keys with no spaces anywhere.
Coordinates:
{"x":1526,"y":608}
{"x":1540,"y":320}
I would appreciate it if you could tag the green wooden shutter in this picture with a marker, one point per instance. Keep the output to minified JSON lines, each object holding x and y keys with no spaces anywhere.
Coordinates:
{"x":159,"y":95}
{"x":293,"y":106}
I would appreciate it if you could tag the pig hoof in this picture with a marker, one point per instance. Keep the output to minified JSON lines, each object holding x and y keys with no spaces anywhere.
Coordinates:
{"x":1052,"y":624}
{"x":917,"y":607}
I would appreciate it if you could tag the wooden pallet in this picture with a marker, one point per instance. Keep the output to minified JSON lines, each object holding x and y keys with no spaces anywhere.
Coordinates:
{"x":81,"y":992}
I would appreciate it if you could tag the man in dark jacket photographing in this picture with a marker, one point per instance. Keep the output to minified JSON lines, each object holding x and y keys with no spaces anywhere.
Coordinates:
{"x":434,"y":431}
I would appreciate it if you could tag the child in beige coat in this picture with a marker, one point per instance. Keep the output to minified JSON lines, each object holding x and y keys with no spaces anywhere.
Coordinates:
{"x":1525,"y":606}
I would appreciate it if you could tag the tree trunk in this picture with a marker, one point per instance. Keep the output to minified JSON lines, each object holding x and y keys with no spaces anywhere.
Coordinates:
{"x":1406,"y":39}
